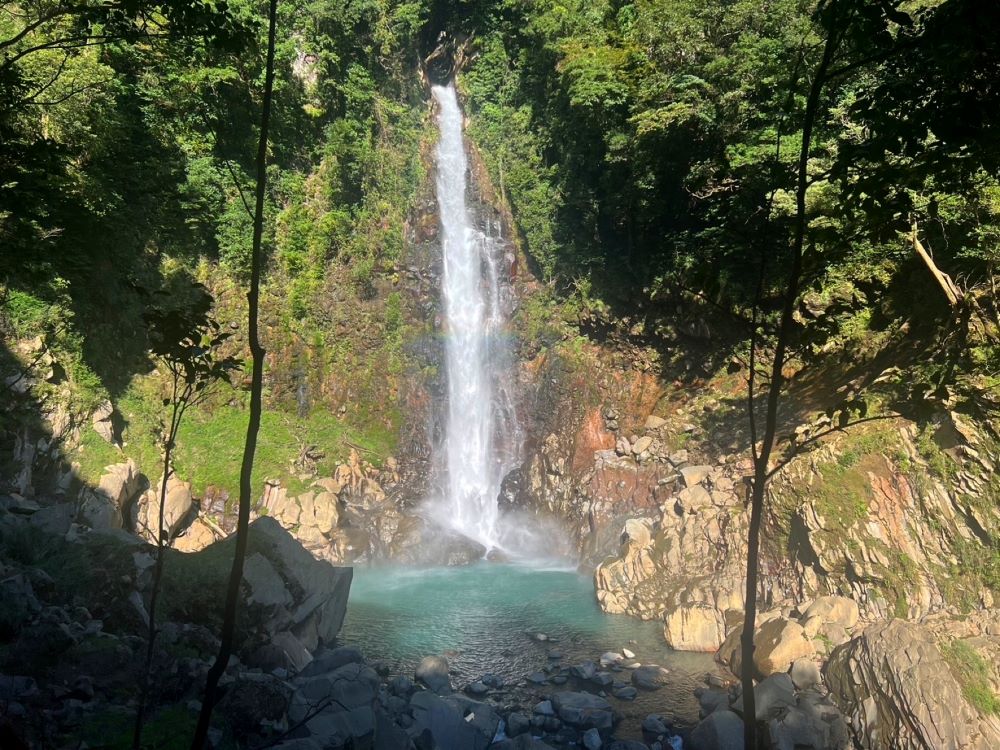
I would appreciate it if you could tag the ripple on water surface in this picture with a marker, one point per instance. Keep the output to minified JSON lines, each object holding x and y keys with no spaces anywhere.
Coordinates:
{"x":480,"y":616}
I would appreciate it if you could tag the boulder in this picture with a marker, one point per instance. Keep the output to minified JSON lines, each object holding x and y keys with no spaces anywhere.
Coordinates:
{"x":325,"y":587}
{"x":805,"y":728}
{"x":837,"y":610}
{"x":267,"y":588}
{"x":710,"y":701}
{"x":98,"y":512}
{"x":693,"y":499}
{"x":195,"y":537}
{"x":585,"y":671}
{"x":654,"y":422}
{"x":805,"y":673}
{"x":898,"y":691}
{"x":432,"y":671}
{"x":102,"y":507}
{"x":777,"y":644}
{"x":592,"y":740}
{"x":694,"y":627}
{"x":120,"y":483}
{"x":721,"y":730}
{"x":693,"y":475}
{"x":642,"y":445}
{"x":103,"y":421}
{"x":445,"y":724}
{"x":480,"y":716}
{"x":610,"y":658}
{"x":517,"y":723}
{"x":650,"y":677}
{"x":583,"y":710}
{"x":772,"y":696}
{"x":176,"y":505}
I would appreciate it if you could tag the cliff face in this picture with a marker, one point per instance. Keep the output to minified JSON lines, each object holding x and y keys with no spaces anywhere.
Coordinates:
{"x":900,"y":517}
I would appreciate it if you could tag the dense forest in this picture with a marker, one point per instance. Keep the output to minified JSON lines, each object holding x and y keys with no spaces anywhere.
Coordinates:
{"x":800,"y":195}
{"x":648,"y":151}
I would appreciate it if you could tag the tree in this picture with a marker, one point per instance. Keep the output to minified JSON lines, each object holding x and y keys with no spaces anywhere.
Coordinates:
{"x":899,"y":154}
{"x":75,"y":24}
{"x":187,"y":341}
{"x":256,"y":388}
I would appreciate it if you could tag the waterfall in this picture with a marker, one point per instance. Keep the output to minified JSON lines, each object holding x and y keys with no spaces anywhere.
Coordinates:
{"x":481,"y":439}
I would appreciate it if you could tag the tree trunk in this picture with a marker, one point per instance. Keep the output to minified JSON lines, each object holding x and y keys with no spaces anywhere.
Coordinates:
{"x":256,"y":387}
{"x":175,"y":417}
{"x":762,"y":459}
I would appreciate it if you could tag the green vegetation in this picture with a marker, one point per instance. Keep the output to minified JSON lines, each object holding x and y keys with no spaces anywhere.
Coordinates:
{"x":168,"y":729}
{"x":647,"y":149}
{"x":973,"y":674}
{"x":210,"y":443}
{"x":941,"y":465}
{"x":126,"y":175}
{"x":843,"y":490}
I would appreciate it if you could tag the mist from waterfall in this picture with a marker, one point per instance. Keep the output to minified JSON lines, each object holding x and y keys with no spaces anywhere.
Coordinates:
{"x":481,"y":438}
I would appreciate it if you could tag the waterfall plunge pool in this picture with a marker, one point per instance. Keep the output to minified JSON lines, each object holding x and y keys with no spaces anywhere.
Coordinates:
{"x":481,"y":617}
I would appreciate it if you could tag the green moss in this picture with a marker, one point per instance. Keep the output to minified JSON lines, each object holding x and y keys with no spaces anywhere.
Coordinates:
{"x":972,"y":673}
{"x":941,"y":465}
{"x":976,"y":566}
{"x":844,"y":490}
{"x":899,"y":578}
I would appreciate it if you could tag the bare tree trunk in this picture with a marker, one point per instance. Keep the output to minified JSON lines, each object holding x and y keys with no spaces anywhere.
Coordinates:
{"x":951,"y":291}
{"x":161,"y":542}
{"x":256,"y":387}
{"x":762,"y":458}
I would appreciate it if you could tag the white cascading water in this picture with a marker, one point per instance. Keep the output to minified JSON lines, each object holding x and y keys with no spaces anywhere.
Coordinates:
{"x":481,"y":441}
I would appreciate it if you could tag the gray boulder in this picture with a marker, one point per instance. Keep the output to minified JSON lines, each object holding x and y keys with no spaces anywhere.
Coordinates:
{"x":650,"y":677}
{"x":316,"y":617}
{"x":332,"y":660}
{"x":721,"y":730}
{"x":432,"y":671}
{"x":583,"y":710}
{"x":445,"y":725}
{"x":805,"y":673}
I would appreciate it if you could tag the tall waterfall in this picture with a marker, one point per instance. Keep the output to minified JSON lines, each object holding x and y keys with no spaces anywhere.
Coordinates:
{"x":481,"y":441}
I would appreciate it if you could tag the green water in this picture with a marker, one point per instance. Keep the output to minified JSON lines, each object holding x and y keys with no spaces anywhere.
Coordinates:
{"x":480,"y":616}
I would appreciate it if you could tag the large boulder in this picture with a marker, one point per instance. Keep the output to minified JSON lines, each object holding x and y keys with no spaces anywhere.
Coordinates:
{"x":319,"y":609}
{"x":445,"y":723}
{"x":177,"y":504}
{"x":720,"y":730}
{"x":103,"y":507}
{"x":777,"y":644}
{"x":432,"y":671}
{"x":286,"y":588}
{"x":650,"y":677}
{"x":694,"y":627}
{"x":583,"y":710}
{"x":338,"y":708}
{"x":898,"y":691}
